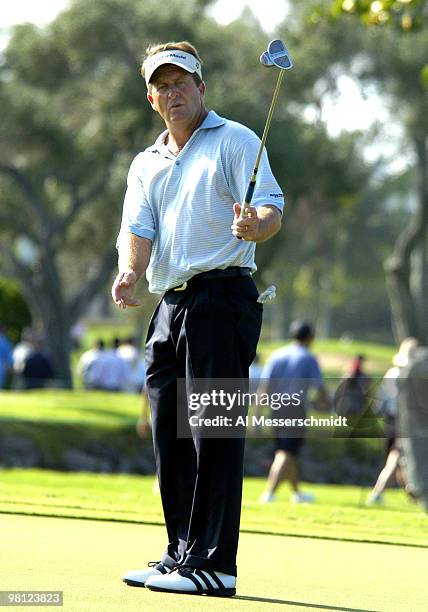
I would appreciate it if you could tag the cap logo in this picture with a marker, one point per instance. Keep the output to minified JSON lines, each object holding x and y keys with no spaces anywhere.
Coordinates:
{"x":184,"y":60}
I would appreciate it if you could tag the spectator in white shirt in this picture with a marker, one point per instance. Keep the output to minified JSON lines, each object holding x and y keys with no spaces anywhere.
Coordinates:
{"x":87,"y":359}
{"x":108,"y":371}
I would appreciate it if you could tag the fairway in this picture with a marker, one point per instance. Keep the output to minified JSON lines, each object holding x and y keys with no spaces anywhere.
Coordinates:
{"x":86,"y":560}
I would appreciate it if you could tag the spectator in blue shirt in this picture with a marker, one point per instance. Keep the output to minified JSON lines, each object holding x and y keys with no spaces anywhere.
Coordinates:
{"x":6,"y":361}
{"x":293,"y":370}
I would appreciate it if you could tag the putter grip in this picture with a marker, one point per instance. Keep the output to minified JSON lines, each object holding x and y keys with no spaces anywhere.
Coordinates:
{"x":248,"y":198}
{"x":250,"y":192}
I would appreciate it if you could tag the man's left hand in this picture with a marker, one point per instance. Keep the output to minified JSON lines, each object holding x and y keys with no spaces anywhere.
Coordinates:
{"x":248,"y":227}
{"x":143,"y":428}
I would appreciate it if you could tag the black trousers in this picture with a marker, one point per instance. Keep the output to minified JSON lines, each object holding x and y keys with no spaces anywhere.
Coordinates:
{"x":210,"y":330}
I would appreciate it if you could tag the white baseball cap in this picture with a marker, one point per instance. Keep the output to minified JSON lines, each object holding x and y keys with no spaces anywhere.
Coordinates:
{"x":172,"y":56}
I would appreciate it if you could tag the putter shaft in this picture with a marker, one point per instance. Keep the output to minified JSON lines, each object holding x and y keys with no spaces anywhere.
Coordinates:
{"x":252,"y":183}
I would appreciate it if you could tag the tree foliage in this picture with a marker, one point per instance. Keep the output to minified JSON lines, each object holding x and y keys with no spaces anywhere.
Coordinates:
{"x":406,"y":15}
{"x":397,"y":62}
{"x":14,"y":313}
{"x":74,"y":114}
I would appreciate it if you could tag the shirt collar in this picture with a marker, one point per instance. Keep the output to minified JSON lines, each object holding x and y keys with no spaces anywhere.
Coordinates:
{"x":212,"y":120}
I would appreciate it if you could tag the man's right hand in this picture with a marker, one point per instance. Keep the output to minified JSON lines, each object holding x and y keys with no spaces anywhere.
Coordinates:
{"x":123,"y":288}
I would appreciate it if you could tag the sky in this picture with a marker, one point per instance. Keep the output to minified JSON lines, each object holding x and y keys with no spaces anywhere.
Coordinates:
{"x":350,"y":111}
{"x":17,"y":11}
{"x":269,"y":12}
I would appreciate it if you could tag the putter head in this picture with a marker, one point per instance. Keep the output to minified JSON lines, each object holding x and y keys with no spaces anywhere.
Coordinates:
{"x":265,"y":59}
{"x":278,"y":54}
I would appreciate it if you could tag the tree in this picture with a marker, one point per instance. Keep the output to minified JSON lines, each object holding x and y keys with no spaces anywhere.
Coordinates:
{"x":73,"y":114}
{"x":323,"y":181}
{"x":400,"y":76}
{"x":396,"y":60}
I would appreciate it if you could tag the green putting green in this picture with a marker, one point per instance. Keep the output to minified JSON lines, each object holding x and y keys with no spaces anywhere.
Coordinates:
{"x":86,"y":560}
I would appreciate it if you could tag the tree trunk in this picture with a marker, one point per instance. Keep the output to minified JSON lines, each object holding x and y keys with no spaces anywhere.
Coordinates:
{"x":325,"y":308}
{"x":49,"y":315}
{"x":403,"y":311}
{"x":418,"y":279}
{"x":57,"y":328}
{"x":405,"y":305}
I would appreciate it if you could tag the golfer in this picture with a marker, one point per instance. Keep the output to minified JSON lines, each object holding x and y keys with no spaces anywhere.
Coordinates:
{"x":181,"y":226}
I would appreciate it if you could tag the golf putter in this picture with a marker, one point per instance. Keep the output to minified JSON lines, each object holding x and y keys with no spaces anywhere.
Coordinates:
{"x":276,"y":55}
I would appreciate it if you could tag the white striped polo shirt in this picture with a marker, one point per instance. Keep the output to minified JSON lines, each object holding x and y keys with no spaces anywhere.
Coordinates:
{"x":184,"y":203}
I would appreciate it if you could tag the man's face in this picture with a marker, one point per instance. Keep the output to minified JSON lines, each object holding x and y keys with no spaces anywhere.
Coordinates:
{"x":175,"y":95}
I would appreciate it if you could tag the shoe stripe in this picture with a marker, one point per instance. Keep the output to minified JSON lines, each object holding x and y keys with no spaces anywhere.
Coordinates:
{"x":195,"y":581}
{"x":216,"y":579}
{"x":212,"y":584}
{"x":200,"y":574}
{"x":162,"y":569}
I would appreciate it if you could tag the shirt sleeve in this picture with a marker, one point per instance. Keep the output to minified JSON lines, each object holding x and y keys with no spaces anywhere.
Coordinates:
{"x":315,"y":375}
{"x":272,"y":368}
{"x":137,"y":216}
{"x":267,"y":190}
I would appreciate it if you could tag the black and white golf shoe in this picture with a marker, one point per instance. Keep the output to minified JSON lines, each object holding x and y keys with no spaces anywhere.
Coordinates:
{"x":138,"y":578}
{"x":192,"y":581}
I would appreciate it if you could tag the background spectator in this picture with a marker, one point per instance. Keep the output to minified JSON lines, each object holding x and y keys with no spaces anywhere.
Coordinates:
{"x":412,"y":417}
{"x":20,"y":353}
{"x":136,"y":369}
{"x":6,"y":360}
{"x":388,"y":409}
{"x":292,"y":369}
{"x":350,"y":399}
{"x":38,"y":369}
{"x":87,"y":359}
{"x":128,"y":351}
{"x":108,"y":371}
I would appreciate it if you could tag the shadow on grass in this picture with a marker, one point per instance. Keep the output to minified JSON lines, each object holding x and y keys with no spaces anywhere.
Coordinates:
{"x":299,"y":603}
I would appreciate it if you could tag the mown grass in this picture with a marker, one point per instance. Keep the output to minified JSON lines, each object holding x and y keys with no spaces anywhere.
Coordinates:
{"x":338,"y":513}
{"x":74,"y":407}
{"x":102,"y":425}
{"x":59,"y":419}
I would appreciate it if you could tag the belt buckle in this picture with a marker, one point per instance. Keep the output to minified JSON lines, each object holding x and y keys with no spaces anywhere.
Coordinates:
{"x":181,"y":287}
